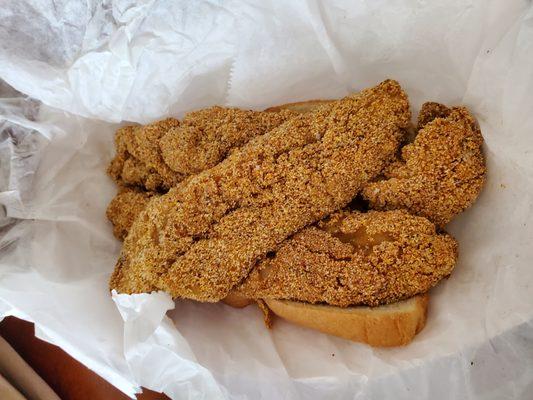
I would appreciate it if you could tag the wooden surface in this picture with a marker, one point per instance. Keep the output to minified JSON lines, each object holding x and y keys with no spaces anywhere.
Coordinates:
{"x":67,"y":377}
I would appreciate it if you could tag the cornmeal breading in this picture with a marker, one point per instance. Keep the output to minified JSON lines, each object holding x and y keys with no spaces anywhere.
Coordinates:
{"x":429,"y":111}
{"x":125,"y":207}
{"x":205,"y":137}
{"x":356,"y":258}
{"x":138,"y":160}
{"x":203,"y":237}
{"x":158,"y":156}
{"x":440,"y":174}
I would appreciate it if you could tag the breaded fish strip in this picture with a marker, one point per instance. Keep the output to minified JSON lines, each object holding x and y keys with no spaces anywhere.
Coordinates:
{"x":125,"y":207}
{"x":138,"y":160}
{"x":431,"y":110}
{"x":441,"y":173}
{"x":158,"y":156}
{"x":205,"y":137}
{"x":356,"y":258}
{"x":203,"y":237}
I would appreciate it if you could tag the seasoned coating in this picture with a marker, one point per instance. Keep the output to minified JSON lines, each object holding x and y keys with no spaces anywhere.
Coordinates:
{"x":203,"y":237}
{"x":356,"y":258}
{"x":158,"y":156}
{"x":125,"y":207}
{"x":431,"y":110}
{"x":205,"y":137}
{"x":138,"y":160}
{"x":440,"y":174}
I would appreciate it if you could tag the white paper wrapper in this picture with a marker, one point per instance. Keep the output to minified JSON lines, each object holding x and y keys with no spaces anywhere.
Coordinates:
{"x":94,"y":65}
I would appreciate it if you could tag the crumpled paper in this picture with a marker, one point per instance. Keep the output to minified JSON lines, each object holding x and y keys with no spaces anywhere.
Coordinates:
{"x":85,"y":67}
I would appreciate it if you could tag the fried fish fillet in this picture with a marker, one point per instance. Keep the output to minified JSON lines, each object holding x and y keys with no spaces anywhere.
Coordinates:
{"x":441,"y":173}
{"x":429,"y":111}
{"x":158,"y":156}
{"x":202,"y":140}
{"x":125,"y":207}
{"x":205,"y":137}
{"x":355,"y":258}
{"x":203,"y":237}
{"x":138,"y":160}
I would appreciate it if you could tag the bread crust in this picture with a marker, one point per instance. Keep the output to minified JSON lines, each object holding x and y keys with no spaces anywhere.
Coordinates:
{"x":237,"y":300}
{"x":389,"y":325}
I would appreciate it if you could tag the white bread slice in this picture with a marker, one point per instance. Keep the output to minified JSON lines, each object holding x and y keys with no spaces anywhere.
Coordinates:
{"x":301,"y":106}
{"x":389,"y":325}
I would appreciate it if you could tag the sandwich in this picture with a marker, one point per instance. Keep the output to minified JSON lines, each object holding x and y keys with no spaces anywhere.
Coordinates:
{"x":271,"y":219}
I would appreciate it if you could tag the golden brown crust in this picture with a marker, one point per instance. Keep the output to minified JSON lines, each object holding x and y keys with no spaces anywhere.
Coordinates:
{"x":440,"y":174}
{"x":301,"y":106}
{"x":158,"y":156}
{"x":390,"y":325}
{"x":356,"y":258}
{"x":431,"y":110}
{"x":139,"y":165}
{"x":138,"y":160}
{"x":205,"y":137}
{"x":125,"y":207}
{"x":202,"y":238}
